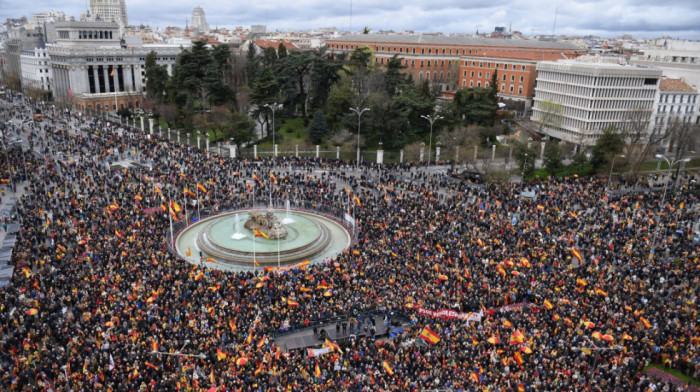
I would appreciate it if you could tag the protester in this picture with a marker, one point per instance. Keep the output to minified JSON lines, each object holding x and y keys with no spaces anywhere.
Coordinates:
{"x":572,"y":297}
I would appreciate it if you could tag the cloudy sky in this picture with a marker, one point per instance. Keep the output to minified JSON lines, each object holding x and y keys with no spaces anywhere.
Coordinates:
{"x":606,"y":18}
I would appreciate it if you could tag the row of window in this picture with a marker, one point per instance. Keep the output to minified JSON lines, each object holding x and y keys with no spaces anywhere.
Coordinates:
{"x":682,"y":98}
{"x":94,"y":34}
{"x":679,"y":109}
{"x":488,"y":65}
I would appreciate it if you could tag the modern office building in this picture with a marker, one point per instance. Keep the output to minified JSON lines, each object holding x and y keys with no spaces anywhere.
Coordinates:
{"x":575,"y":100}
{"x":109,"y":11}
{"x":94,"y":69}
{"x":199,"y":21}
{"x":461,"y":62}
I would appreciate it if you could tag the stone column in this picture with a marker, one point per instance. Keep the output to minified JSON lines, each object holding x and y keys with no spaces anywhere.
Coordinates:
{"x":380,"y":156}
{"x":318,"y":150}
{"x":178,"y":136}
{"x":475,"y":153}
{"x":207,"y":143}
{"x":198,"y":142}
{"x":493,"y":152}
{"x":105,"y":77}
{"x":401,"y":156}
{"x":232,"y":150}
{"x":96,"y":78}
{"x":150,"y":126}
{"x":296,"y":150}
{"x":255,"y":151}
{"x":142,"y":127}
{"x":422,"y":152}
{"x":542,"y":150}
{"x":275,"y":150}
{"x":337,"y":152}
{"x":437,"y":154}
{"x":168,"y":133}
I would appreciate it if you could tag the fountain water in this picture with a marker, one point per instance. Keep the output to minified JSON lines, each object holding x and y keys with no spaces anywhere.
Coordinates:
{"x":237,"y":235}
{"x":287,"y":219}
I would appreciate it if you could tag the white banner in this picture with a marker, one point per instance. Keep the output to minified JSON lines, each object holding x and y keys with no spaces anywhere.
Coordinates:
{"x":350,"y":219}
{"x":317,"y":352}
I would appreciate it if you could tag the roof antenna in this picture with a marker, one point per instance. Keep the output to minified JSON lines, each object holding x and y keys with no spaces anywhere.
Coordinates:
{"x":555,"y":19}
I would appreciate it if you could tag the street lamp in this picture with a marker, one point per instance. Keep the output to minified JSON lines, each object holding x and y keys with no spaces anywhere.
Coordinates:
{"x":607,"y":184}
{"x":670,"y":163}
{"x":359,"y":122}
{"x":431,"y":119}
{"x":272,"y":108}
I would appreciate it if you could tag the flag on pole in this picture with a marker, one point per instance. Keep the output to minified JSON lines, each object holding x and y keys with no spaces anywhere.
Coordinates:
{"x":189,"y":193}
{"x":272,"y":177}
{"x":201,"y":187}
{"x":388,"y":368}
{"x":577,"y":254}
{"x":429,"y":335}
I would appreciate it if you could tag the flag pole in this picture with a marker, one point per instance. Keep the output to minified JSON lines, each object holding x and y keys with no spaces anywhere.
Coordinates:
{"x":170,"y":216}
{"x":278,"y":251}
{"x":254,"y":266}
{"x":187,"y":220}
{"x":198,"y":215}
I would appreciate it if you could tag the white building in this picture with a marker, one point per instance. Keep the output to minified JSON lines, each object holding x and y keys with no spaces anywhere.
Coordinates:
{"x":677,"y":102}
{"x":36,"y":69}
{"x":109,"y":11}
{"x":577,"y":99}
{"x":677,"y":59}
{"x":199,"y":21}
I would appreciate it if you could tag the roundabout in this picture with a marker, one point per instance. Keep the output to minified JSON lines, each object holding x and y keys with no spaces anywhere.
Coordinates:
{"x":226,"y":241}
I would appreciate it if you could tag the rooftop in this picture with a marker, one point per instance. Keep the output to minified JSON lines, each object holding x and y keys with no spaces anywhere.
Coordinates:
{"x":675,"y":85}
{"x":459,"y":41}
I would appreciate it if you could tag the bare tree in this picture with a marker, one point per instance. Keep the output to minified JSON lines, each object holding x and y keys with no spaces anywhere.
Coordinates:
{"x":642,"y":141}
{"x":548,"y":114}
{"x":682,"y":137}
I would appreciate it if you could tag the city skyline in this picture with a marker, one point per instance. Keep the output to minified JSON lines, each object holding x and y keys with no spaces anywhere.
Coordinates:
{"x":640,"y":18}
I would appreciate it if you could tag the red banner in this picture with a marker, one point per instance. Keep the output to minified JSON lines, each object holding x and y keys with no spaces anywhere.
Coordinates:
{"x":450,"y":314}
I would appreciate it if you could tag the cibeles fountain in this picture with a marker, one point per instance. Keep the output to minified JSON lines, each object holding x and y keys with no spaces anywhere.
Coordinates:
{"x":287,"y":237}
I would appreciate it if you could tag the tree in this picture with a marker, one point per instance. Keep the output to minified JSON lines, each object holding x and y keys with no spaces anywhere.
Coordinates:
{"x":394,"y":77}
{"x":641,"y":142}
{"x":240,"y":128}
{"x":297,"y":67}
{"x":525,"y":156}
{"x":548,"y":115}
{"x":124,"y":112}
{"x":251,"y":64}
{"x":318,"y":129}
{"x":281,"y":51}
{"x":474,"y":105}
{"x":326,"y":72}
{"x":609,"y":144}
{"x":339,"y":101}
{"x":552,"y":157}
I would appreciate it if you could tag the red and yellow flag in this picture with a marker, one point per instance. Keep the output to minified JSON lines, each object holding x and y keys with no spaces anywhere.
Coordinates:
{"x":317,"y":371}
{"x":548,"y":304}
{"x":577,"y":254}
{"x":259,"y":233}
{"x":189,"y":193}
{"x":220,"y":355}
{"x":273,"y":178}
{"x":429,"y":335}
{"x":388,"y":368}
{"x":201,"y":188}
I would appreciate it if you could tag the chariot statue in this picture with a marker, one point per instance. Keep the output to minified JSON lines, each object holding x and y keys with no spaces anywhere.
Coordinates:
{"x":267,"y":223}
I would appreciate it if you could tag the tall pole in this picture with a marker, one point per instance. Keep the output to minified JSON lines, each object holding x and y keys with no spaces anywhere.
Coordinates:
{"x":359,"y":128}
{"x":607,"y":185}
{"x":431,"y":119}
{"x":670,"y":163}
{"x":272,"y":108}
{"x":170,"y":208}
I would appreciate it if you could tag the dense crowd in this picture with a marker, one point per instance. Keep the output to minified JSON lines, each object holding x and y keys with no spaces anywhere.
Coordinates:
{"x":572,"y":294}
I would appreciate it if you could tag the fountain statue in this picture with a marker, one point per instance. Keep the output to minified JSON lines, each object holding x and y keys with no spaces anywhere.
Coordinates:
{"x":267,"y":223}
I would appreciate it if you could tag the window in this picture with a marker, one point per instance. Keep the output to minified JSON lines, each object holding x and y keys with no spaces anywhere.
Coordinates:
{"x":512,"y":88}
{"x":520,"y":90}
{"x":478,"y":84}
{"x":488,"y":75}
{"x":472,"y":75}
{"x":471,"y":83}
{"x":522,"y":67}
{"x":522,"y":79}
{"x":505,"y":66}
{"x":479,"y":75}
{"x":512,"y":78}
{"x":504,"y":77}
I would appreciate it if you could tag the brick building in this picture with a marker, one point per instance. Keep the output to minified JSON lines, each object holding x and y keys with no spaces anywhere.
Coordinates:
{"x":462,"y":62}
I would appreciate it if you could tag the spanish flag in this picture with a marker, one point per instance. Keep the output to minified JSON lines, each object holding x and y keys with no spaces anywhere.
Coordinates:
{"x":646,"y":322}
{"x":261,"y":342}
{"x":220,"y":355}
{"x":388,"y":369}
{"x":199,"y":276}
{"x":210,"y":259}
{"x":292,"y":302}
{"x":548,"y":304}
{"x":189,"y":193}
{"x":256,"y":179}
{"x":138,"y":198}
{"x":474,"y":377}
{"x":600,"y":292}
{"x":259,"y":233}
{"x":249,"y":338}
{"x":272,"y":177}
{"x":577,"y":254}
{"x":175,"y":206}
{"x":356,"y":200}
{"x":150,"y":365}
{"x":154,"y":345}
{"x":201,"y":188}
{"x":493,"y":340}
{"x":480,"y":242}
{"x":429,"y":335}
{"x":189,"y":252}
{"x":518,"y":358}
{"x":112,"y":72}
{"x":34,"y":311}
{"x":317,"y":371}
{"x":581,"y":282}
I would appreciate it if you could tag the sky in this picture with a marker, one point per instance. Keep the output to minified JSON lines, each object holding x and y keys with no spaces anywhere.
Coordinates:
{"x":604,"y":18}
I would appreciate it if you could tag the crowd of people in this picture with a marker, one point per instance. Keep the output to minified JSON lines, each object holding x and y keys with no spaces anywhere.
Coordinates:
{"x":578,"y":290}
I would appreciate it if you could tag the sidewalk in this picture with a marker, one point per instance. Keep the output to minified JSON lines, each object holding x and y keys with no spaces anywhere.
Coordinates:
{"x":9,"y":236}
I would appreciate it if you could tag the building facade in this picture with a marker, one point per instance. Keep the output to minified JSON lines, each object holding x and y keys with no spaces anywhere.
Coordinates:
{"x":575,"y":100}
{"x":677,"y":59}
{"x":461,"y":62}
{"x":199,"y":21}
{"x":36,"y":70}
{"x":20,"y":40}
{"x":94,"y":70}
{"x":109,"y":11}
{"x":676,"y":106}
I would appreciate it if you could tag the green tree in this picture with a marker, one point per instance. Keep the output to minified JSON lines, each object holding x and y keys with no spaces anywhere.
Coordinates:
{"x":318,"y":129}
{"x":552,"y":157}
{"x":281,"y":51}
{"x":156,"y":78}
{"x":251,"y":64}
{"x":609,"y":144}
{"x":325,"y":73}
{"x":394,"y":77}
{"x":474,"y":105}
{"x":240,"y":128}
{"x":339,"y":101}
{"x":525,"y":156}
{"x":296,"y":69}
{"x":548,"y":114}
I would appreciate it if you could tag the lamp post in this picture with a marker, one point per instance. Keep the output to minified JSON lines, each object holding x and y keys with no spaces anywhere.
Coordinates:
{"x":431,"y":119}
{"x":359,"y":125}
{"x":272,"y":108}
{"x":670,"y":163}
{"x":607,"y":184}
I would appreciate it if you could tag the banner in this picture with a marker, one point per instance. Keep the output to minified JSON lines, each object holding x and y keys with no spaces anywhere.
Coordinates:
{"x":317,"y":352}
{"x":349,"y":219}
{"x":451,"y":314}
